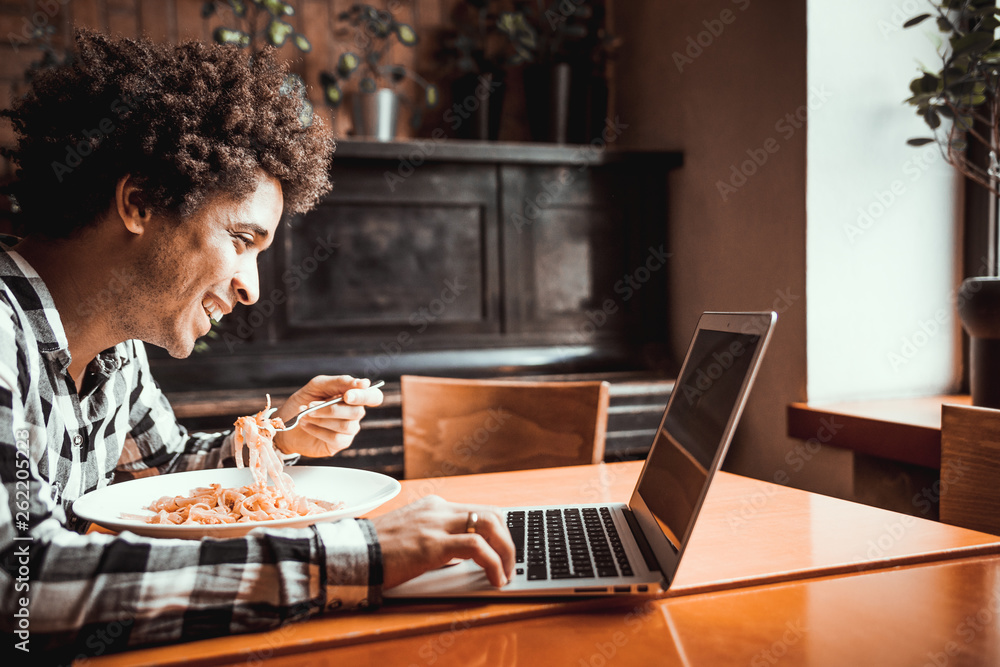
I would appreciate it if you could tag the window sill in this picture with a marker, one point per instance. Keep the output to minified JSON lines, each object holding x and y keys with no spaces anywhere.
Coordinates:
{"x":907,"y":430}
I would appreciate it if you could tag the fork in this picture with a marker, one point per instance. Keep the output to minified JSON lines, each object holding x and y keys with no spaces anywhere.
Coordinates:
{"x":295,"y":420}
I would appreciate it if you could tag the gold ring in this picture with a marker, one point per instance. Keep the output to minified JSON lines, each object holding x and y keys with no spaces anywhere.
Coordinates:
{"x":470,"y":523}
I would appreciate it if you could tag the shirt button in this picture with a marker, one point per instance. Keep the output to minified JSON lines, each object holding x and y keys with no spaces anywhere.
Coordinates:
{"x":77,"y":440}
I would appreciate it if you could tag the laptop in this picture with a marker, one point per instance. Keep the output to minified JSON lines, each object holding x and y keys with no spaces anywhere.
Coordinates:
{"x":635,"y":547}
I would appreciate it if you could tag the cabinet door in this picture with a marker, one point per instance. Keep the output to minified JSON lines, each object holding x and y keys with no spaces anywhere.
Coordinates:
{"x":570,"y":237}
{"x":419,"y":258}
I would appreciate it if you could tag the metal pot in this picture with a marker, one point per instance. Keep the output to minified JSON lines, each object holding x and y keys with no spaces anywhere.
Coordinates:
{"x":376,"y":114}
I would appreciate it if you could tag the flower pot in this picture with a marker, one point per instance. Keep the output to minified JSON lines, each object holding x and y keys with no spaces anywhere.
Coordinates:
{"x":979,"y":310}
{"x":477,"y":105}
{"x":376,"y":114}
{"x":565,"y":103}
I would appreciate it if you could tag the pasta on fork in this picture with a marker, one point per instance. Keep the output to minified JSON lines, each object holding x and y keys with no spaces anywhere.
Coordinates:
{"x":255,"y":502}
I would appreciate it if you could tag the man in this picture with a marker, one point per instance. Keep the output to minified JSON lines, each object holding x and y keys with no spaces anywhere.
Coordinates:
{"x":165,"y":171}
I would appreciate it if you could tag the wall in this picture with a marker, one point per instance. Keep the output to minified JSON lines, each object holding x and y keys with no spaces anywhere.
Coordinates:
{"x":179,"y":20}
{"x":725,"y":81}
{"x":882,"y":215}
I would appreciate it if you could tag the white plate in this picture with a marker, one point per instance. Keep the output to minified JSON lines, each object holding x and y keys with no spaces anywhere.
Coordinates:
{"x":359,"y":490}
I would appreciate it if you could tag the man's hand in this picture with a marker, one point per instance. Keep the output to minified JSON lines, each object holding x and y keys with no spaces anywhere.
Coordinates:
{"x":428,"y":533}
{"x":331,"y":429}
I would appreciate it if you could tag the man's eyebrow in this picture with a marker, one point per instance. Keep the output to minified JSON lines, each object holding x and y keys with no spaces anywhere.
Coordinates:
{"x":252,"y":227}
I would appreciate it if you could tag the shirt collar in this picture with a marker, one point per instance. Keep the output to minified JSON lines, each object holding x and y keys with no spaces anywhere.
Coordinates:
{"x":36,"y":301}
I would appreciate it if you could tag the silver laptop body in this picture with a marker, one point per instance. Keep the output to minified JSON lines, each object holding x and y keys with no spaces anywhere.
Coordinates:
{"x":655,"y":526}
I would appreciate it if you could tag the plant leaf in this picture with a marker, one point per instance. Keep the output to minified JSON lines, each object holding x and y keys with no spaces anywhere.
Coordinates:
{"x":232,"y":37}
{"x":277,"y":32}
{"x":916,"y":20}
{"x":973,"y":42}
{"x":347,"y":63}
{"x":407,"y":37}
{"x":333,"y":95}
{"x":432,"y":96}
{"x":923,"y":141}
{"x":302,"y":43}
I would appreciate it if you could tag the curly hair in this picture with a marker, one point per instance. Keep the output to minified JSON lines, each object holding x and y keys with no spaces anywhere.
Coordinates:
{"x":189,"y":122}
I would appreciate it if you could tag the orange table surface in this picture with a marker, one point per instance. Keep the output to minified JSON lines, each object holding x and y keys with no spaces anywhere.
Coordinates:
{"x":938,"y":614}
{"x":750,"y":533}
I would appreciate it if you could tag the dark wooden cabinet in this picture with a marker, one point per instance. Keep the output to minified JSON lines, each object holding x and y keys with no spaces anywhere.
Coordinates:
{"x":461,"y":258}
{"x":455,"y":258}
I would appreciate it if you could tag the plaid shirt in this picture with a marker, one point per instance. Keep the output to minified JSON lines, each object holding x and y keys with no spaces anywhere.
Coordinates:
{"x":60,"y":587}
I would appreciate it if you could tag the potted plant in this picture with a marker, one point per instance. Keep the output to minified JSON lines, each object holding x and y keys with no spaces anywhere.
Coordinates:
{"x":480,"y":53}
{"x":567,"y":47}
{"x":260,"y":22}
{"x":960,"y":102}
{"x":376,"y":103}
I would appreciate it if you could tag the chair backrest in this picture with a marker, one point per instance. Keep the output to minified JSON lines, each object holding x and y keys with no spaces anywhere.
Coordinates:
{"x":970,"y":467}
{"x":457,"y":426}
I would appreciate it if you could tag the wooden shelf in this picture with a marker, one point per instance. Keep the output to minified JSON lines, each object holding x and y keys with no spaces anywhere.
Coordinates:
{"x":907,"y":430}
{"x":418,"y":151}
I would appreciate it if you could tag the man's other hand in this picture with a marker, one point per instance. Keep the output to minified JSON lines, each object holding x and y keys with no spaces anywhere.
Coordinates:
{"x":428,"y":533}
{"x":330,"y":429}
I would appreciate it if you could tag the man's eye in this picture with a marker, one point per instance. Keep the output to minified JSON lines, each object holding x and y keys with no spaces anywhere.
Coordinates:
{"x":246,"y":239}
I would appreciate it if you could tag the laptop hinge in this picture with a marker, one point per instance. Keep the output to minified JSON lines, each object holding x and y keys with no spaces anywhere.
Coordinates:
{"x":640,"y":540}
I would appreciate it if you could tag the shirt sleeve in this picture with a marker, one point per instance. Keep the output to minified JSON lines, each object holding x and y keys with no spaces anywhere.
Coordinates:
{"x":156,"y":442}
{"x":99,"y":593}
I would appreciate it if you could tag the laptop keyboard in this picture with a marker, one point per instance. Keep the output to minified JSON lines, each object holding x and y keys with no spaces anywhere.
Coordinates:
{"x":567,"y":543}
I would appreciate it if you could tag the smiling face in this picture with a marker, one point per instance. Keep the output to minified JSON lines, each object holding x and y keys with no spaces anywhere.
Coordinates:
{"x":199,"y":267}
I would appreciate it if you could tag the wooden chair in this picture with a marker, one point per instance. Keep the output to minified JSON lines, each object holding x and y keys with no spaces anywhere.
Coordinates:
{"x":970,"y":467}
{"x":458,"y":427}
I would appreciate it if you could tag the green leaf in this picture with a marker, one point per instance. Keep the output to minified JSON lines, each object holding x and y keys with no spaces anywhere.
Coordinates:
{"x":333,"y":95}
{"x":432,"y":96}
{"x":302,"y":43}
{"x":367,"y":85}
{"x":964,"y":123}
{"x":972,"y":100}
{"x":239,"y":7}
{"x":277,"y":8}
{"x":923,"y":141}
{"x":232,"y":37}
{"x":277,"y":32}
{"x":971,"y":43}
{"x":932,"y":119}
{"x":347,"y":63}
{"x":407,"y":37}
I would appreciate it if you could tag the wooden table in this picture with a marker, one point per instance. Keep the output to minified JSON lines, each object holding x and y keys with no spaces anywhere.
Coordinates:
{"x":932,"y":614}
{"x":751,"y":537}
{"x":899,"y":429}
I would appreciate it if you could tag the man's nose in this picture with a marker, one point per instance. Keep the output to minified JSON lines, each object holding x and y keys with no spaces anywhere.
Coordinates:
{"x":246,"y":283}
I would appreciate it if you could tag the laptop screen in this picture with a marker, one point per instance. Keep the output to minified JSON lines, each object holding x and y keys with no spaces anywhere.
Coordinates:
{"x":694,"y":428}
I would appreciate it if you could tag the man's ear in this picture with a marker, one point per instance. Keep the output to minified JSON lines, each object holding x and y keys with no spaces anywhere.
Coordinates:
{"x":128,"y":201}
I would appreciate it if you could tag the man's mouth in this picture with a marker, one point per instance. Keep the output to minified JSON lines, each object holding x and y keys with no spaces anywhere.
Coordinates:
{"x":212,"y":309}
